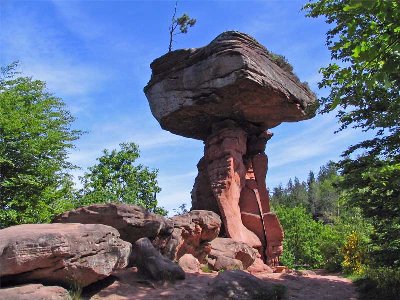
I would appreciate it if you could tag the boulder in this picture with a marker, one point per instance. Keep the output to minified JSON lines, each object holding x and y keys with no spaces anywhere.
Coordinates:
{"x":243,"y":286}
{"x":228,"y":248}
{"x":132,"y":222}
{"x":189,"y":263}
{"x":226,"y":263}
{"x":152,"y":264}
{"x":34,"y":292}
{"x":192,"y":233}
{"x":233,"y":77}
{"x":65,"y":254}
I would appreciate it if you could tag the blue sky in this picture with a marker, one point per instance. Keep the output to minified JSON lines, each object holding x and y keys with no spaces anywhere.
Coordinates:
{"x":95,"y":55}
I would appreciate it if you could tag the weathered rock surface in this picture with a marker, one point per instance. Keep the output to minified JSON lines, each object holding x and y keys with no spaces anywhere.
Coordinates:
{"x":234,"y":77}
{"x":152,"y":264}
{"x":228,"y":248}
{"x":189,"y":263}
{"x":65,"y":254}
{"x":192,"y":233}
{"x":243,"y":286}
{"x":34,"y":292}
{"x":132,"y":222}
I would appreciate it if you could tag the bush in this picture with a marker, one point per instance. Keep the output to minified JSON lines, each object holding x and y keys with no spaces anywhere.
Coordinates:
{"x":380,"y":283}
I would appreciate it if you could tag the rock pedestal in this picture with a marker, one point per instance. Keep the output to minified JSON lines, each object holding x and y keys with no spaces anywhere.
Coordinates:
{"x":228,"y":94}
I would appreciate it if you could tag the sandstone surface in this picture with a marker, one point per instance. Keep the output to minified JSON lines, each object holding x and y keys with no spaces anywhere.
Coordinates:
{"x":189,"y":263}
{"x":65,"y":254}
{"x":152,"y":264}
{"x":34,"y":292}
{"x":192,"y":233}
{"x":132,"y":222}
{"x":234,"y":77}
{"x":243,"y":286}
{"x":226,"y":247}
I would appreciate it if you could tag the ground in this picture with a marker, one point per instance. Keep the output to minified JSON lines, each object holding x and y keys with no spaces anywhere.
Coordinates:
{"x":128,"y":285}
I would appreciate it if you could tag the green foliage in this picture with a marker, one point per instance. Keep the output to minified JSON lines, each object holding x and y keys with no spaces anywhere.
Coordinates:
{"x":301,"y":235}
{"x":311,"y":243}
{"x":380,"y":283}
{"x":353,"y":254}
{"x":35,"y":136}
{"x":364,"y":83}
{"x":116,"y":178}
{"x":374,"y":186}
{"x":319,"y":195}
{"x":206,"y":268}
{"x":184,"y":22}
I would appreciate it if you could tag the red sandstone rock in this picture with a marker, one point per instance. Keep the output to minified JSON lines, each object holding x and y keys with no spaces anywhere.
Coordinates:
{"x":152,"y":264}
{"x":132,"y":222}
{"x":189,"y":263}
{"x":243,"y":286}
{"x":192,"y":233}
{"x":65,"y":254}
{"x":224,"y":150}
{"x":34,"y":292}
{"x":234,"y":77}
{"x":229,"y":248}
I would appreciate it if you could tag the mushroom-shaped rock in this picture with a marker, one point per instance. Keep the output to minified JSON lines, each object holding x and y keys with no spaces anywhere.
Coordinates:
{"x":234,"y":77}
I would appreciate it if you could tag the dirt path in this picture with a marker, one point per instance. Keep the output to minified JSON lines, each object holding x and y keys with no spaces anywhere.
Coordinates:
{"x":128,"y":285}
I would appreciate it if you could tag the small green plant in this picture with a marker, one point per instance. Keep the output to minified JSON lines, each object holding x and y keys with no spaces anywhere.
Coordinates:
{"x":206,"y":268}
{"x":75,"y":291}
{"x":183,"y":22}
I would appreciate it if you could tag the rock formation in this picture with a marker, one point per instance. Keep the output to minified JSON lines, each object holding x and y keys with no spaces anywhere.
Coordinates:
{"x":34,"y":292}
{"x":152,"y":264}
{"x":228,"y":94}
{"x":240,"y":285}
{"x":132,"y":222}
{"x":191,"y":235}
{"x":65,"y":254}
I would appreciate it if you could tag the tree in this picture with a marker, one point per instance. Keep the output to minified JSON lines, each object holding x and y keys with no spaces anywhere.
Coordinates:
{"x":35,"y":136}
{"x":183,"y":22}
{"x":364,"y":82}
{"x":116,"y":178}
{"x":364,"y":77}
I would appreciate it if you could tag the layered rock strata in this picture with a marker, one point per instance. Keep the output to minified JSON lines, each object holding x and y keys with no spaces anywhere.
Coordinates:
{"x":228,"y":94}
{"x":65,"y":254}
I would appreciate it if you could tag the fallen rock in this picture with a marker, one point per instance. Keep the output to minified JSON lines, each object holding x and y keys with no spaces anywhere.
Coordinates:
{"x":233,"y":77}
{"x":132,"y":222}
{"x":65,"y":254}
{"x":226,"y":263}
{"x":226,"y":247}
{"x":34,"y":292}
{"x":152,"y":264}
{"x":259,"y":266}
{"x":189,"y":263}
{"x":192,"y":233}
{"x":243,"y":286}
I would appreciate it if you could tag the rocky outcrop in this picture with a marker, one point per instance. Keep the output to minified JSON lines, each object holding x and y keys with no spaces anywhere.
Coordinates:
{"x":65,"y":254}
{"x":152,"y":264}
{"x":192,"y":233}
{"x":189,"y":263}
{"x":228,"y":94}
{"x":243,"y":286}
{"x":132,"y":222}
{"x":234,"y":77}
{"x":34,"y":292}
{"x":225,"y":250}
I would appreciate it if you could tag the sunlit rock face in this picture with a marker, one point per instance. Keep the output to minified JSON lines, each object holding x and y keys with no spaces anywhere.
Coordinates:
{"x":228,"y":94}
{"x":233,"y":77}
